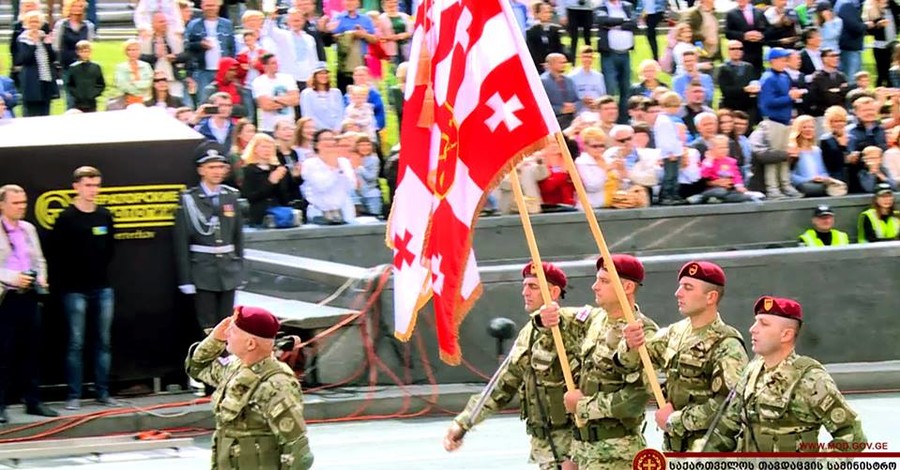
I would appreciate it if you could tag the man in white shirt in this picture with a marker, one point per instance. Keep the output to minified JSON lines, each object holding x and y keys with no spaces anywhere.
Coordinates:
{"x":275,"y":93}
{"x":304,"y":47}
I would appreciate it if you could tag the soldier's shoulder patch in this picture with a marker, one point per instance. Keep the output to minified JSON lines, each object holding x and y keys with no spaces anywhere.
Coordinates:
{"x":583,"y":314}
{"x":286,"y":424}
{"x":838,"y":415}
{"x":225,"y":360}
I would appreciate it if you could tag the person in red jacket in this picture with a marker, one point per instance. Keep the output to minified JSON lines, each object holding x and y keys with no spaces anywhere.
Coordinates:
{"x":557,"y":190}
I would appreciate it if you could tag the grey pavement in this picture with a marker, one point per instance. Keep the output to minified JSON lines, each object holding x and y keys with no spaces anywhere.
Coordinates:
{"x":499,"y":443}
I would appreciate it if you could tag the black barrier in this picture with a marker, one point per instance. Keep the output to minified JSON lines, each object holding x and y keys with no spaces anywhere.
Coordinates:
{"x":146,"y":161}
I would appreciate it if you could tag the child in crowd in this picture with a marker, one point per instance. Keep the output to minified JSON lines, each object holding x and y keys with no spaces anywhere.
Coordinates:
{"x":248,"y":59}
{"x":360,"y":111}
{"x":368,"y":167}
{"x":85,"y":80}
{"x":722,"y":176}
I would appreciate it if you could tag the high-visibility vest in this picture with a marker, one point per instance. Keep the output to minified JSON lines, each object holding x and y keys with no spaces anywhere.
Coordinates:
{"x":884,"y":229}
{"x":838,"y":238}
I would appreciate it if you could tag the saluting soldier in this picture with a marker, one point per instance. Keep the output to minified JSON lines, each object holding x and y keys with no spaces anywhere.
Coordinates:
{"x":783,"y":399}
{"x":535,"y":375}
{"x":209,"y":242}
{"x":258,"y":404}
{"x":610,"y":401}
{"x":701,"y":356}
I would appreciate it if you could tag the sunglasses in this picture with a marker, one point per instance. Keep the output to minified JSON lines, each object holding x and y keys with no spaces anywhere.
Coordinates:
{"x":735,"y":48}
{"x":157,"y":80}
{"x":622,"y":141}
{"x":597,"y":146}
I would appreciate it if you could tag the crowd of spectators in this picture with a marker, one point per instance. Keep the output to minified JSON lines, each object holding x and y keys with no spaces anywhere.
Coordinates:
{"x":769,"y":102}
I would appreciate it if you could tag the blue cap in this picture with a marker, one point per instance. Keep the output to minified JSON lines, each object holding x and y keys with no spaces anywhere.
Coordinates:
{"x":777,"y":53}
{"x":320,"y":67}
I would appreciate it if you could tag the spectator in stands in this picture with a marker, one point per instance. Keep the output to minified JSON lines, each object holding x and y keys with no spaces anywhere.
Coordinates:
{"x":616,"y":21}
{"x":705,"y":30}
{"x":394,"y":30}
{"x":315,"y":26}
{"x":874,"y":175}
{"x":776,"y":103}
{"x":395,"y":95}
{"x":695,"y":96}
{"x":647,"y":170}
{"x":84,"y":81}
{"x":134,"y":78}
{"x":707,"y":125}
{"x":736,"y":80}
{"x":557,"y":189}
{"x":834,"y":142}
{"x":589,"y":84}
{"x":636,"y":107}
{"x":266,"y":182}
{"x":275,"y":93}
{"x":18,"y":28}
{"x":353,"y":32}
{"x":721,"y":175}
{"x":689,"y":180}
{"x":323,"y":104}
{"x":67,"y":32}
{"x":894,"y":72}
{"x":892,"y":154}
{"x":665,"y":135}
{"x":248,"y":58}
{"x":609,"y":115}
{"x":881,"y":21}
{"x":625,"y":170}
{"x":823,"y":233}
{"x":305,"y":129}
{"x":244,"y":130}
{"x":726,"y":127}
{"x":287,"y":156}
{"x":82,"y":246}
{"x":853,"y":32}
{"x":809,"y":175}
{"x":362,"y":77}
{"x":866,"y":132}
{"x":879,"y":223}
{"x":368,"y":166}
{"x":329,"y":180}
{"x":360,"y":111}
{"x":9,"y":97}
{"x":163,"y":49}
{"x":560,"y":89}
{"x":811,"y":55}
{"x":305,"y":58}
{"x":783,"y":29}
{"x":593,"y":168}
{"x":226,"y":81}
{"x":161,"y":97}
{"x":544,"y":37}
{"x":654,"y":11}
{"x":649,"y":73}
{"x":575,"y":15}
{"x":684,"y":43}
{"x":805,"y":13}
{"x":747,"y":24}
{"x":692,"y":74}
{"x":36,"y":58}
{"x":216,"y":124}
{"x":531,"y":170}
{"x":145,"y":11}
{"x":830,"y":26}
{"x":209,"y":39}
{"x":739,"y":134}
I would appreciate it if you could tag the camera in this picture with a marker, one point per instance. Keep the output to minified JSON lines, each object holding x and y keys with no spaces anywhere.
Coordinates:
{"x":211,"y":110}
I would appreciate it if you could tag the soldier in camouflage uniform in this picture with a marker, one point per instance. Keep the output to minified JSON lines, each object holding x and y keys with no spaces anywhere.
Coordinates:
{"x":258,"y":404}
{"x":783,"y":398}
{"x":533,"y":373}
{"x":609,"y":401}
{"x":701,"y":356}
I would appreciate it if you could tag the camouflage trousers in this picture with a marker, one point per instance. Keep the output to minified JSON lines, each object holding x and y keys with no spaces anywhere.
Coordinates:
{"x":609,"y":454}
{"x":542,"y":454}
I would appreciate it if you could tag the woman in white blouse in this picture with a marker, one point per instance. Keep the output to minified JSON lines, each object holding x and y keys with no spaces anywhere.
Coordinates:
{"x":328,"y":181}
{"x":592,"y":166}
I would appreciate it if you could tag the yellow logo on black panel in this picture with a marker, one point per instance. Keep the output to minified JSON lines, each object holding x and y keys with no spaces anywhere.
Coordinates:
{"x":132,"y":207}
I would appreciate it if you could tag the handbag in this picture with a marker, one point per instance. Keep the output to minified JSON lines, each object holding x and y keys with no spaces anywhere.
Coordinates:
{"x":835,"y":187}
{"x":282,"y":216}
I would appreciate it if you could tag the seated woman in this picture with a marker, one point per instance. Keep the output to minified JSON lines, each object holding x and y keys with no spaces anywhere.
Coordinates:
{"x":721,"y":174}
{"x":809,"y":175}
{"x":880,"y":222}
{"x":328,"y":180}
{"x":592,"y":167}
{"x":266,"y":182}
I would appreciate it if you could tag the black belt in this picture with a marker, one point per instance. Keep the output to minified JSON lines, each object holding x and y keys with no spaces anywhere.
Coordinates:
{"x":600,"y":432}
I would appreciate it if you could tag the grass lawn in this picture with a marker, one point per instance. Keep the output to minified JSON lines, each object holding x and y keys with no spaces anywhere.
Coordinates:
{"x":110,"y":53}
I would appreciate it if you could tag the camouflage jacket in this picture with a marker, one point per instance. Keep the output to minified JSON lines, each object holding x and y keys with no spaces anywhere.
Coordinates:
{"x":782,"y":409}
{"x":534,"y":361}
{"x":701,"y":366}
{"x":258,"y":410}
{"x":610,"y":391}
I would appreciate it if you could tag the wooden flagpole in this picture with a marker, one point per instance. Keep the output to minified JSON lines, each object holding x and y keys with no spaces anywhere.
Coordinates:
{"x":608,"y":263}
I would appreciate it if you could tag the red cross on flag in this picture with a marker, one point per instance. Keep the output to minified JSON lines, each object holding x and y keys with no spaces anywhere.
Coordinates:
{"x":474,"y":106}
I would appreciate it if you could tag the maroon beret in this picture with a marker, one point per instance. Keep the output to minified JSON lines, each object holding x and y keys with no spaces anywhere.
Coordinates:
{"x":554,"y":275}
{"x":704,"y":271}
{"x":627,"y":266}
{"x":787,"y":308}
{"x":257,"y":322}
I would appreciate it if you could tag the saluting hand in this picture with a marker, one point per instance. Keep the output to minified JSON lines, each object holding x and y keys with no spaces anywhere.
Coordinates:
{"x":454,"y":438}
{"x":634,"y":334}
{"x":219,"y":332}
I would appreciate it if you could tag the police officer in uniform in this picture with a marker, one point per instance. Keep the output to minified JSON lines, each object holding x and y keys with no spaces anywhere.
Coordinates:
{"x":610,"y":402}
{"x":823,"y":232}
{"x":701,"y":355}
{"x":533,"y":373}
{"x":209,"y":242}
{"x":783,"y":399}
{"x":258,"y":404}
